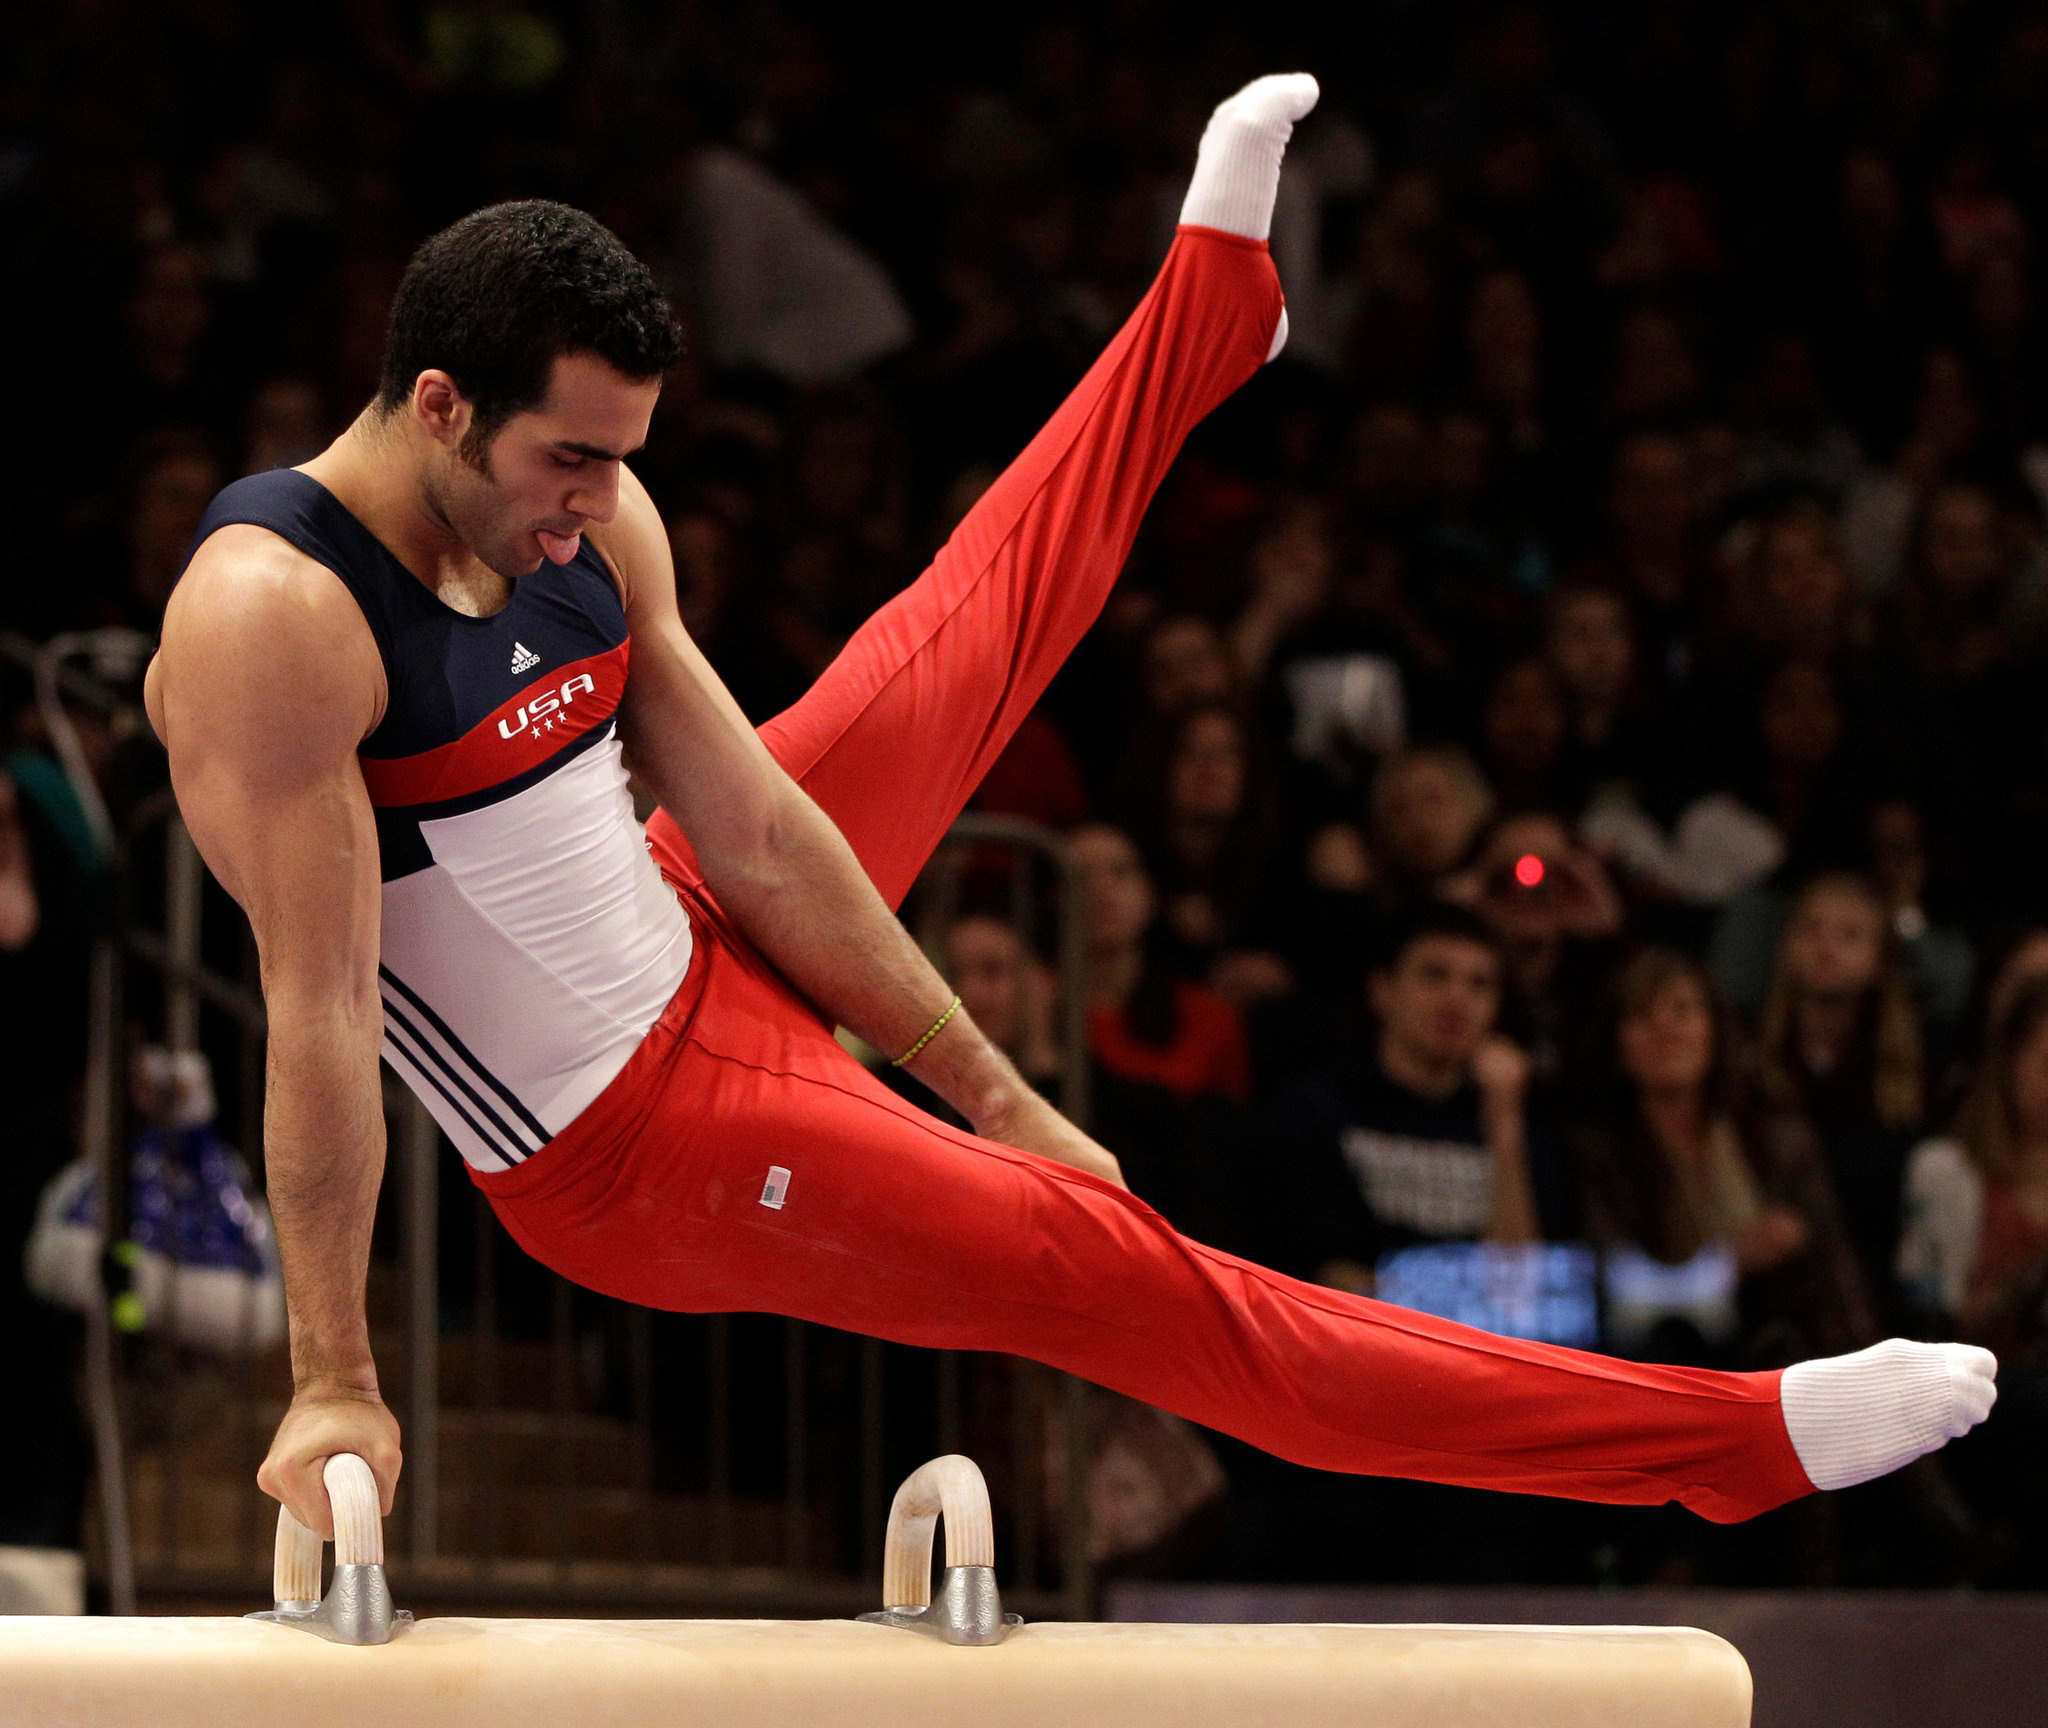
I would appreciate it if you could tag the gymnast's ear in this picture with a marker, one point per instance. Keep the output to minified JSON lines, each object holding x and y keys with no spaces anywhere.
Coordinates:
{"x":439,"y":407}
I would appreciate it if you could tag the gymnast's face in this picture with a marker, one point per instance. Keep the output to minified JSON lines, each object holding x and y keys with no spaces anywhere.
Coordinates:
{"x":528,"y":492}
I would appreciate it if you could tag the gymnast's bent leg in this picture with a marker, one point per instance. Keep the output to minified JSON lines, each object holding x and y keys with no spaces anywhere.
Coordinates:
{"x":899,"y":730}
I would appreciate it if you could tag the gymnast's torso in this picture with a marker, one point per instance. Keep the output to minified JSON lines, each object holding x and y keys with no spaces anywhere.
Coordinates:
{"x":528,"y":941}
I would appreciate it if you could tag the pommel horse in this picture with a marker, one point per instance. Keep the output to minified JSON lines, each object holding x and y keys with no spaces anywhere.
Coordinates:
{"x":349,"y":1658}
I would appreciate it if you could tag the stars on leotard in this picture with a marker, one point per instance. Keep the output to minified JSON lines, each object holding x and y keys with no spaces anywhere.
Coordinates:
{"x":547,"y":725}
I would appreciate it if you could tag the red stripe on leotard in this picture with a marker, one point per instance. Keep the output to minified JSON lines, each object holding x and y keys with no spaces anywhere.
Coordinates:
{"x":523,"y":732}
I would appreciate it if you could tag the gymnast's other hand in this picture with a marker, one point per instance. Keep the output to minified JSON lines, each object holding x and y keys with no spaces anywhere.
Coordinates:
{"x":963,"y":1066}
{"x":322,"y":1422}
{"x":1027,"y":1122}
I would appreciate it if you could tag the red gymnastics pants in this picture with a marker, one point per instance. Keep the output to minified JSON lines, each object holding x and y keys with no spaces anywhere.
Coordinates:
{"x":896,"y":1226}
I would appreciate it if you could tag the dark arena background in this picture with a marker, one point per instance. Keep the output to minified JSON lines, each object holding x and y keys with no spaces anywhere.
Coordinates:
{"x":1639,"y":544}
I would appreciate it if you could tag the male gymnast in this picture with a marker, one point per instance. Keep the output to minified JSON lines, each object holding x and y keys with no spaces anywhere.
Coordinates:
{"x":394,"y":688}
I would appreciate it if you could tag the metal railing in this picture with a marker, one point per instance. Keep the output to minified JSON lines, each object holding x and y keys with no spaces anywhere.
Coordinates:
{"x":561,"y":1447}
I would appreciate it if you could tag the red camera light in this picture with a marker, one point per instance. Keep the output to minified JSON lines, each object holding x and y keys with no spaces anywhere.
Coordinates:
{"x":1529,"y":870}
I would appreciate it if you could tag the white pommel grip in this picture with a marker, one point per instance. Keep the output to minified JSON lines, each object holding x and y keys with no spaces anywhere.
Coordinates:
{"x":353,"y":1499}
{"x":295,"y":1574}
{"x":951,"y":1486}
{"x":358,"y":1511}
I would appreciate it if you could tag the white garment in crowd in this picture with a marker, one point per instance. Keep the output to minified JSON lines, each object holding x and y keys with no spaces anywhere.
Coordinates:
{"x":777,"y":286}
{"x":1944,"y":1213}
{"x":1717,"y":848}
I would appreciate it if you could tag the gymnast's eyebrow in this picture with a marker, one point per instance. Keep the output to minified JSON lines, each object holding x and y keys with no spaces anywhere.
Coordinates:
{"x":597,"y":452}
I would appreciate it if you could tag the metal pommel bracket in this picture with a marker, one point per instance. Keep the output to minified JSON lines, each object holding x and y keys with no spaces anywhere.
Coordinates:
{"x":357,"y":1607}
{"x":968,"y":1608}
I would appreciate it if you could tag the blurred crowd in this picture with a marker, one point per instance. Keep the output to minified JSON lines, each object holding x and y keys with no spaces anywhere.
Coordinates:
{"x":1568,"y":758}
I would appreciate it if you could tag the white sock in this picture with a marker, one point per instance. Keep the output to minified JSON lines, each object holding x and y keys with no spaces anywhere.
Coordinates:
{"x":1863,"y":1415}
{"x":1237,"y":169}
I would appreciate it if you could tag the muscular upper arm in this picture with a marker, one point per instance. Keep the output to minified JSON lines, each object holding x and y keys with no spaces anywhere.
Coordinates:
{"x":266,"y":681}
{"x":686,"y":737}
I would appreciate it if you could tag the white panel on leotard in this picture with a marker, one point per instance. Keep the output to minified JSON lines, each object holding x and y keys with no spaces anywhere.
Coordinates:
{"x":489,"y":1039}
{"x":524,"y":967}
{"x":562,"y":868}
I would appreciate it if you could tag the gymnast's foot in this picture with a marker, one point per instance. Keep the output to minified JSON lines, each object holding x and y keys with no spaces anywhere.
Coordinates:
{"x":1237,"y":169}
{"x":1859,"y":1416}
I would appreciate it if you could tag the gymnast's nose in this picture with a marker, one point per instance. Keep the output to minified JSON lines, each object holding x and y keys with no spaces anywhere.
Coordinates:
{"x":595,"y":496}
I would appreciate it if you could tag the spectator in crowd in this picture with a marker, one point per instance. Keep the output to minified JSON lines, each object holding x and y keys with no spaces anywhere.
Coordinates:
{"x":169,"y":369}
{"x":995,"y":973}
{"x":1654,"y":555}
{"x":1799,"y":796}
{"x":1974,"y":1253}
{"x":1664,"y":1162}
{"x":1803,"y":767}
{"x":1205,"y":821}
{"x":286,"y":423}
{"x":1555,"y":914}
{"x":1429,"y":805}
{"x":1973,"y":1262}
{"x":1793,"y":604}
{"x":1590,"y":641}
{"x":1181,"y":662}
{"x":175,"y":477}
{"x":1876,"y":288}
{"x":840,"y":549}
{"x":1946,"y":437}
{"x":1420,"y":1136}
{"x":1170,"y":1063}
{"x":1522,"y":731}
{"x":1961,"y":614}
{"x":1291,"y":570}
{"x":1144,"y":1023}
{"x":1840,"y":1058}
{"x":2025,"y":959}
{"x":1938,"y":957}
{"x":1792,"y":435}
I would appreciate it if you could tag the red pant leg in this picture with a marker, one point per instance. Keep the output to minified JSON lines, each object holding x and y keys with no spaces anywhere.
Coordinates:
{"x":895,"y":1226}
{"x":894,"y":737}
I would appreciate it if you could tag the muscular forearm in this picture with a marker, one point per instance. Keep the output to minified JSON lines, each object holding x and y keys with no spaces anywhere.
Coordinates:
{"x":801,"y":897}
{"x":807,"y":904}
{"x":324,"y":1157}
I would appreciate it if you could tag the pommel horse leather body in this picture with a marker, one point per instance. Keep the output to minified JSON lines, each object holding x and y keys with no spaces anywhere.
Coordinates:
{"x":950,"y":1659}
{"x":209,"y":1673}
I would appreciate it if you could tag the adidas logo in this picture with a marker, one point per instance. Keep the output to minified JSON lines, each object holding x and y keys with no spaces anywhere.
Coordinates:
{"x":524,"y":659}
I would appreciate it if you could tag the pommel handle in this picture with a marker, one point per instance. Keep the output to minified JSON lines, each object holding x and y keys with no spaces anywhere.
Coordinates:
{"x":951,"y":1486}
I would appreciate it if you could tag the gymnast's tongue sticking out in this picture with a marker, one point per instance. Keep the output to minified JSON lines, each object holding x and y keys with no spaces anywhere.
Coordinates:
{"x":402,"y":686}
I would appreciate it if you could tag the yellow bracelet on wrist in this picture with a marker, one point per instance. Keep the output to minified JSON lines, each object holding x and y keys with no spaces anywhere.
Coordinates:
{"x":938,"y":1026}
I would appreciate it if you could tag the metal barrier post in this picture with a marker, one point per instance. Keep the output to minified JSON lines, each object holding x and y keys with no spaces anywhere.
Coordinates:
{"x":102,"y":1126}
{"x":422,"y":1141}
{"x":184,"y":886}
{"x":184,"y":883}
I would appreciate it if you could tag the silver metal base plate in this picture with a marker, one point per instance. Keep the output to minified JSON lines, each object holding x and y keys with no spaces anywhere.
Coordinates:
{"x":357,"y":1609}
{"x":966,"y":1609}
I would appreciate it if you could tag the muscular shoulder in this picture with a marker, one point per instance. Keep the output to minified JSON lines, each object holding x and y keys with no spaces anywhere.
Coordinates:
{"x":259,"y":635}
{"x":245,"y":571}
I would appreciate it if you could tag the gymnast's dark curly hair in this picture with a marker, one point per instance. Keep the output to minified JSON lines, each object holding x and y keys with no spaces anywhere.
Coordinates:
{"x":495,"y":298}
